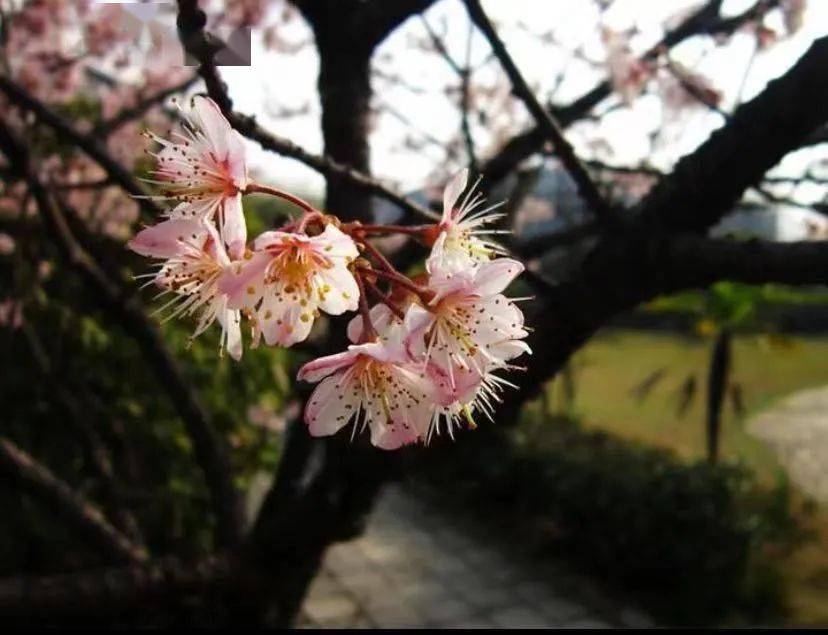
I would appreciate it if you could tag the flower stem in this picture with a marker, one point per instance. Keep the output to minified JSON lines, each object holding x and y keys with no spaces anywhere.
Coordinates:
{"x":411,"y":230}
{"x":369,"y":333}
{"x":254,"y":188}
{"x":397,"y":278}
{"x":387,"y":301}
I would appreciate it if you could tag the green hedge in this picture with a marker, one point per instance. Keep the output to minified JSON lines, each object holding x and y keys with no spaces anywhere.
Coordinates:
{"x":683,"y":537}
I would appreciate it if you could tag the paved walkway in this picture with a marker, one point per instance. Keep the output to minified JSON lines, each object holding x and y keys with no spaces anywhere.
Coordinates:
{"x":417,"y":566}
{"x":797,"y":429}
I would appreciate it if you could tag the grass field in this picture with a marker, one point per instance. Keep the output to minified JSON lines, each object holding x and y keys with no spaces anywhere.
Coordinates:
{"x":606,"y":372}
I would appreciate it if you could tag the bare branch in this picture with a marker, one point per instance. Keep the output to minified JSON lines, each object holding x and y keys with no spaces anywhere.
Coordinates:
{"x":707,"y":183}
{"x":109,"y":126}
{"x":704,"y":21}
{"x":108,"y":591}
{"x":190,"y":23}
{"x":694,"y":261}
{"x":546,"y":122}
{"x":41,"y":483}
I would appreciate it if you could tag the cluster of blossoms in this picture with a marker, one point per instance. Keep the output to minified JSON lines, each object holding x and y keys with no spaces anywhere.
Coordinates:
{"x":424,"y":359}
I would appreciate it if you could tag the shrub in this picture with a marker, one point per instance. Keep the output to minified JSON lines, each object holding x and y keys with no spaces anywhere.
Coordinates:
{"x":680,"y":536}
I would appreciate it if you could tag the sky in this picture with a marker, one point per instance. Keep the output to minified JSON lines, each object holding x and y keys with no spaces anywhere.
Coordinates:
{"x":420,"y":109}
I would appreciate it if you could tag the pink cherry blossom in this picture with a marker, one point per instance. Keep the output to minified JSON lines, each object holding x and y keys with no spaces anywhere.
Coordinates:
{"x":459,"y":394}
{"x":469,"y":323}
{"x":289,"y":278}
{"x":461,"y":241}
{"x":194,"y":260}
{"x":383,"y":320}
{"x":628,"y":74}
{"x":205,"y":170}
{"x":375,"y":385}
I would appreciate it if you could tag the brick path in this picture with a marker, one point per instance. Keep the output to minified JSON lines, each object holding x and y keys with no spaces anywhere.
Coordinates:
{"x":417,"y":566}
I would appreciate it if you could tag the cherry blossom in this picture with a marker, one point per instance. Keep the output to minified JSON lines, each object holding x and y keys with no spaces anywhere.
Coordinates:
{"x":205,"y":170}
{"x":374,"y":384}
{"x":628,"y":74}
{"x":289,"y":278}
{"x":461,"y":240}
{"x":469,"y":323}
{"x":194,"y":260}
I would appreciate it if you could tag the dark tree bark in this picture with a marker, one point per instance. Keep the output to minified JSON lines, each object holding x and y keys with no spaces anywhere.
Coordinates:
{"x":345,"y":93}
{"x":326,"y":488}
{"x":717,"y":381}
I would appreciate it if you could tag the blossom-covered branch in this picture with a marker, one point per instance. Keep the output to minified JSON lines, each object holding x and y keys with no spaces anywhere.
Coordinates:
{"x":428,"y":357}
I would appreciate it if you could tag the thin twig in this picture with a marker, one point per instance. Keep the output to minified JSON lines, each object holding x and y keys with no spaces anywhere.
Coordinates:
{"x":202,"y":46}
{"x":108,"y":591}
{"x":546,"y":122}
{"x":62,"y":499}
{"x":107,"y":127}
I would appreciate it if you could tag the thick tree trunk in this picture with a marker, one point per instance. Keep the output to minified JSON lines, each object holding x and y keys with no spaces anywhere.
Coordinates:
{"x":345,"y":93}
{"x":325,"y":487}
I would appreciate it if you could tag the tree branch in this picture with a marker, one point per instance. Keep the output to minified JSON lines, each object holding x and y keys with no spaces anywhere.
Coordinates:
{"x":64,"y":501}
{"x":705,"y":21}
{"x":191,"y":22}
{"x":105,"y":128}
{"x":107,"y":591}
{"x":692,"y":261}
{"x":545,"y":120}
{"x":87,"y":143}
{"x":128,"y":314}
{"x":707,"y":183}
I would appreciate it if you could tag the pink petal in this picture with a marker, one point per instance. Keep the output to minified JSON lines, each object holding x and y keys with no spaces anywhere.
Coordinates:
{"x":381,"y":317}
{"x":233,"y":226}
{"x":392,"y":436}
{"x":236,"y":160}
{"x":321,"y":367}
{"x":333,"y":243}
{"x":344,"y":291}
{"x":238,"y":279}
{"x":417,"y":321}
{"x":452,"y":193}
{"x":213,"y":124}
{"x":168,"y":239}
{"x":272,"y":238}
{"x":493,"y":277}
{"x":330,"y":407}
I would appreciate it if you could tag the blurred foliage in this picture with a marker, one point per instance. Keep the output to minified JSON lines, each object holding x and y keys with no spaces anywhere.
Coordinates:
{"x":762,"y":296}
{"x":103,"y":371}
{"x":687,"y":539}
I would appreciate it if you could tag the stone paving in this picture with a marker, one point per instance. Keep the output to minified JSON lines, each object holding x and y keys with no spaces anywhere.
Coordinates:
{"x":417,"y":566}
{"x":797,"y":429}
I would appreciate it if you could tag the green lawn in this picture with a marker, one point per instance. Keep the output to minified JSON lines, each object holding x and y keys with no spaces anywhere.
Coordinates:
{"x":614,"y":363}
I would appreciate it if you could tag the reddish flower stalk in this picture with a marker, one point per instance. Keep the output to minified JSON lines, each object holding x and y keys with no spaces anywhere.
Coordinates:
{"x":369,"y":333}
{"x":377,"y":255}
{"x":397,"y":278}
{"x":266,"y":189}
{"x":411,"y":230}
{"x":382,"y":297}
